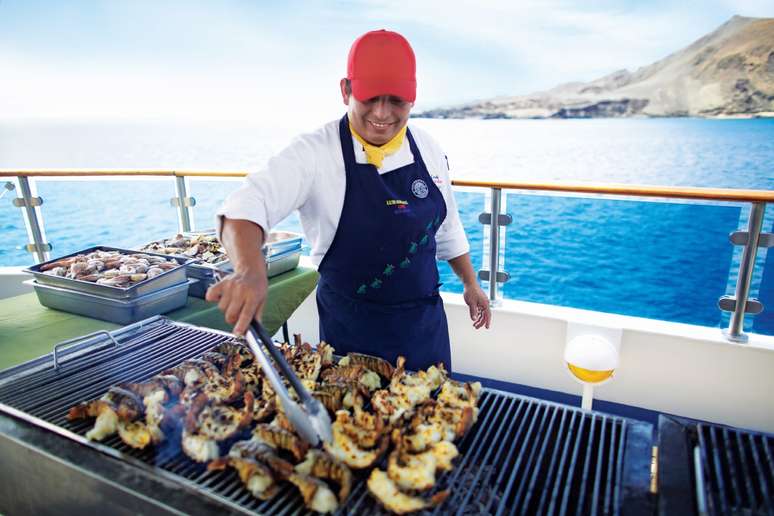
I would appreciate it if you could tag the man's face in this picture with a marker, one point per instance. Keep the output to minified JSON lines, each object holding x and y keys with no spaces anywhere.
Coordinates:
{"x":377,"y":119}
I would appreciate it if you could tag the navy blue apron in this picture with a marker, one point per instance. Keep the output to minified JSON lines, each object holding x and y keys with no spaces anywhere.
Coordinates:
{"x":378,"y":289}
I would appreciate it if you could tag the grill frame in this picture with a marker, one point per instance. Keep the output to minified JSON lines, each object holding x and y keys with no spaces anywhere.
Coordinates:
{"x":685,"y":490}
{"x":630,"y":461}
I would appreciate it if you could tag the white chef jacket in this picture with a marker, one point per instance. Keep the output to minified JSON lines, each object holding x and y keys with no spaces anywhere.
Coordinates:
{"x":309,"y":176}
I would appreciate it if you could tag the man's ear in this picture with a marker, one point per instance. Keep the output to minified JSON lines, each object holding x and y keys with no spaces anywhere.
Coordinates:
{"x":344,"y":94}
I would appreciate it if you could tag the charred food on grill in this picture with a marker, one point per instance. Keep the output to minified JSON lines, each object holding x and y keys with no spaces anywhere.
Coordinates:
{"x":221,"y":411}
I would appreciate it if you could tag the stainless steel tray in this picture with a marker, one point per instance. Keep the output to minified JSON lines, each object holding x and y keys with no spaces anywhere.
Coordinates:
{"x":280,"y":242}
{"x":276,"y":265}
{"x":283,"y":262}
{"x":282,"y":252}
{"x":166,"y":279}
{"x":118,"y":311}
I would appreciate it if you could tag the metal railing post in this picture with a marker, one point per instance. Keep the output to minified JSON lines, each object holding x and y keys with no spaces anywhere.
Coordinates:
{"x":495,"y":219}
{"x":494,"y":243}
{"x":740,"y":304}
{"x":184,"y":204}
{"x":33,"y":219}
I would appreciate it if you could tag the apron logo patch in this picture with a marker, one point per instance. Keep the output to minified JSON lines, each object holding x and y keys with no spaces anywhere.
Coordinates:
{"x":419,"y":188}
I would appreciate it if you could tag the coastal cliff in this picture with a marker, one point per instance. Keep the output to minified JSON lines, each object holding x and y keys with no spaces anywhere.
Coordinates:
{"x":727,"y":73}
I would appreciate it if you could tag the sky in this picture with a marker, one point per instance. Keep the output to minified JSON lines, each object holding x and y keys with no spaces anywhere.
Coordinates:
{"x":260,"y":60}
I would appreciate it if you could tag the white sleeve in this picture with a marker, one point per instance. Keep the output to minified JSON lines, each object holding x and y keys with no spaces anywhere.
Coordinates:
{"x":269,"y":195}
{"x":451,"y":240}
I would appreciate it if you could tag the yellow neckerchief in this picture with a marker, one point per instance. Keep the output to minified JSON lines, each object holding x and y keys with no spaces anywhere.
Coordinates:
{"x":374,"y":154}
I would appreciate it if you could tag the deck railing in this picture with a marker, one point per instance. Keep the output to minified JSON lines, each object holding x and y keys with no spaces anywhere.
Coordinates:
{"x":751,"y":239}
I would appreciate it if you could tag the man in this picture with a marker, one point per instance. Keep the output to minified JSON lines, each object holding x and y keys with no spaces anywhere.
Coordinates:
{"x":375,"y":201}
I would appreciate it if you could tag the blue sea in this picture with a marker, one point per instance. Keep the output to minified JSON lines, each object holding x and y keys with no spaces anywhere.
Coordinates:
{"x":668,"y":260}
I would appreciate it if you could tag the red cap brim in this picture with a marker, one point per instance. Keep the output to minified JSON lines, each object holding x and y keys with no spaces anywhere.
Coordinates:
{"x":364,"y":89}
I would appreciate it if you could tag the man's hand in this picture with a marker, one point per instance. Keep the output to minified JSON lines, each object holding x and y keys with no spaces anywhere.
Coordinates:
{"x":241,"y":298}
{"x":474,"y":297}
{"x":241,"y":295}
{"x":478,"y":304}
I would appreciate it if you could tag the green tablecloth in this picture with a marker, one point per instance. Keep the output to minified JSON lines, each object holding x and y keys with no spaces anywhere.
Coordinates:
{"x":29,"y":330}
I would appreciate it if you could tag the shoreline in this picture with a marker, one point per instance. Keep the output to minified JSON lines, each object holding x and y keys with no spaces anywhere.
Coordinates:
{"x":736,"y":116}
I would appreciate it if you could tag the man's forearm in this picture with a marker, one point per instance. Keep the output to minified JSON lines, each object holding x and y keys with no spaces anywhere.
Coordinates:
{"x":243,"y":241}
{"x":463,"y":268}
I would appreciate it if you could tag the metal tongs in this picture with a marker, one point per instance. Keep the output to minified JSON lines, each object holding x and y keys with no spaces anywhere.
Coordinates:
{"x":311,"y":419}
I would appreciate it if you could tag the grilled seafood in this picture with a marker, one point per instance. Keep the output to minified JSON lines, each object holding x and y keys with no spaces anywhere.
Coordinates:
{"x":202,"y":375}
{"x":193,"y":372}
{"x":376,"y":364}
{"x":325,"y":351}
{"x":387,"y":493}
{"x":347,"y":392}
{"x":345,"y":449}
{"x":419,"y":437}
{"x":255,"y":475}
{"x":116,"y":404}
{"x":279,"y":438}
{"x":134,"y":433}
{"x":390,"y":405}
{"x":215,"y":420}
{"x":317,"y":495}
{"x":155,"y":413}
{"x":155,"y":393}
{"x":282,"y":421}
{"x":224,"y":393}
{"x":322,"y":465}
{"x":414,"y":387}
{"x":207,"y":423}
{"x":354,"y":372}
{"x":262,"y":452}
{"x":216,"y":358}
{"x":444,"y":452}
{"x":331,"y":400}
{"x":364,"y":437}
{"x":170,"y":385}
{"x":417,"y":471}
{"x":257,"y":465}
{"x":199,"y":447}
{"x":433,"y":417}
{"x":458,"y":394}
{"x":412,"y":471}
{"x":224,"y":388}
{"x":304,"y":361}
{"x":264,"y":409}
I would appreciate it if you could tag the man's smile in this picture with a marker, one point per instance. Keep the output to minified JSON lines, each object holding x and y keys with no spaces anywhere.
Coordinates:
{"x":381,"y":125}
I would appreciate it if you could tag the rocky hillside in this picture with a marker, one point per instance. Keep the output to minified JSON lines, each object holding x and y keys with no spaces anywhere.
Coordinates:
{"x":729,"y":72}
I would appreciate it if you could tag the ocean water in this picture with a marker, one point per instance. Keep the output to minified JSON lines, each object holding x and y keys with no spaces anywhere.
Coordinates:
{"x":657,"y":259}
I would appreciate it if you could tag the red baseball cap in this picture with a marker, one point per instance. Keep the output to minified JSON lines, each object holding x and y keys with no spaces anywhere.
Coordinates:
{"x":382,"y":62}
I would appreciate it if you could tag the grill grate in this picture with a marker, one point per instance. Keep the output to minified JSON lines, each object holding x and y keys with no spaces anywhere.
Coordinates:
{"x":524,"y":456}
{"x":737,"y":467}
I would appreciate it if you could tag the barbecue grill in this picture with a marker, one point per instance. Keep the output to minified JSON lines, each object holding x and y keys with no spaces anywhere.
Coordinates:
{"x":711,"y":469}
{"x":524,"y":456}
